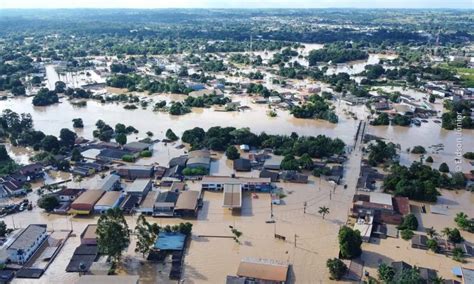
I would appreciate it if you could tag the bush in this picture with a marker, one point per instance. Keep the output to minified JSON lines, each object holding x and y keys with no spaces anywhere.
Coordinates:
{"x":429,"y":159}
{"x":337,"y":268}
{"x":444,"y":168}
{"x":409,"y":222}
{"x":407,"y":234}
{"x":232,"y":153}
{"x":469,"y":155}
{"x":418,"y":150}
{"x":146,"y":154}
{"x":199,"y":171}
{"x":48,"y":202}
{"x":171,"y":135}
{"x":128,"y":158}
{"x":350,"y":243}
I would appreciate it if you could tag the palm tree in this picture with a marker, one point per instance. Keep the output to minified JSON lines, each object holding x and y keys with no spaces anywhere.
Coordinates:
{"x":437,"y":280}
{"x":431,"y":232}
{"x":446,"y":232}
{"x":323,"y":210}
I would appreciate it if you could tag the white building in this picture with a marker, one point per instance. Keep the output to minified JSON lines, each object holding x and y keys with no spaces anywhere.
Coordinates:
{"x":26,"y":243}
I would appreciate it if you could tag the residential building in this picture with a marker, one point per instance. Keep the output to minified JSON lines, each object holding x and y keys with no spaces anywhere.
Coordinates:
{"x":132,"y":172}
{"x":139,"y":187}
{"x":69,"y":194}
{"x":108,"y":183}
{"x":267,"y":271}
{"x":248,"y":183}
{"x":26,"y":243}
{"x":187,"y":203}
{"x":84,"y":204}
{"x":110,"y":200}
{"x":89,"y":235}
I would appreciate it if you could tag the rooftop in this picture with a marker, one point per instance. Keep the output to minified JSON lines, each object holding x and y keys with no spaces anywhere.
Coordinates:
{"x":28,"y":236}
{"x":232,"y":196}
{"x":263,"y":269}
{"x":139,"y":185}
{"x":187,"y":200}
{"x":105,"y":279}
{"x":170,"y":241}
{"x":90,"y":196}
{"x":226,"y":179}
{"x":381,"y":198}
{"x":109,"y":198}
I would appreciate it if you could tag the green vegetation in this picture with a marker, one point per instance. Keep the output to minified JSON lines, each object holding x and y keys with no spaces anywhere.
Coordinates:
{"x":453,"y":235}
{"x":171,"y":135}
{"x":146,"y":154}
{"x":381,"y":119}
{"x":232,"y":153}
{"x":113,"y":235}
{"x":407,"y":234}
{"x":350,"y":243}
{"x":198,"y":171}
{"x":381,"y":152}
{"x":418,"y":182}
{"x":444,"y":168}
{"x":338,"y":53}
{"x":146,"y":235}
{"x":386,"y":273}
{"x":121,"y":138}
{"x":429,"y":159}
{"x":219,"y":138}
{"x":77,"y":123}
{"x":128,"y":158}
{"x":464,"y":222}
{"x":48,"y":202}
{"x":409,"y":222}
{"x":317,"y":107}
{"x":178,"y":108}
{"x":469,"y":155}
{"x":45,"y":97}
{"x":457,"y":115}
{"x":337,"y":268}
{"x":206,"y":101}
{"x":418,"y":150}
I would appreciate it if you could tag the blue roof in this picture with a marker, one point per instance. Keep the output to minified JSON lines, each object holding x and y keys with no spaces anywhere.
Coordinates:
{"x":170,"y":241}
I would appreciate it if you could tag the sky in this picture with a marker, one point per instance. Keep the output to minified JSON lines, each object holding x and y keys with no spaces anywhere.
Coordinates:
{"x":463,"y":4}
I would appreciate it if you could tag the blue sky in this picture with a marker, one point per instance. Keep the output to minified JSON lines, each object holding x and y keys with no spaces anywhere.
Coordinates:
{"x":237,"y":4}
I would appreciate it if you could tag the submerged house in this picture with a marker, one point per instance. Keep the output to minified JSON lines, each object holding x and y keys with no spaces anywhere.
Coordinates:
{"x":84,"y":204}
{"x":26,"y":243}
{"x":253,"y":270}
{"x":132,"y":172}
{"x":187,"y":203}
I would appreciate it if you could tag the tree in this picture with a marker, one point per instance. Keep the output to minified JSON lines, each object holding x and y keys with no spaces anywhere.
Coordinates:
{"x":429,"y":159}
{"x":146,"y":236}
{"x":113,"y":235}
{"x":463,"y":222}
{"x":237,"y":234}
{"x":337,"y":268}
{"x":68,"y":138}
{"x":232,"y":153}
{"x":453,"y":235}
{"x":444,"y":168}
{"x":411,"y":275}
{"x":77,"y":123}
{"x":306,"y":162}
{"x":4,"y":154}
{"x":431,"y":232}
{"x":409,"y":222}
{"x":121,"y":138}
{"x":289,"y":163}
{"x":48,"y":202}
{"x":171,"y":135}
{"x":50,"y":143}
{"x":323,"y":210}
{"x":418,"y":150}
{"x":350,"y":243}
{"x":386,"y":273}
{"x":3,"y":229}
{"x":407,"y":234}
{"x":458,"y":255}
{"x":59,"y":87}
{"x":432,"y":245}
{"x":76,"y":155}
{"x":45,"y":97}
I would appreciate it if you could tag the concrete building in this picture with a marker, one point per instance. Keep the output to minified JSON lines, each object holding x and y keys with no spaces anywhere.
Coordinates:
{"x":26,"y":243}
{"x":84,"y":204}
{"x":132,"y":172}
{"x":139,"y":187}
{"x":187,"y":203}
{"x":110,"y":200}
{"x":248,"y":183}
{"x":108,"y":183}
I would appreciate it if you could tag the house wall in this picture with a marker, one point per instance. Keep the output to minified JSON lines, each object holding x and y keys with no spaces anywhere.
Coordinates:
{"x":27,"y":252}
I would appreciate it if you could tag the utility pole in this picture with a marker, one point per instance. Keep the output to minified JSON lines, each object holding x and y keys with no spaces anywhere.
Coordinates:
{"x":330,"y":195}
{"x":304,"y":208}
{"x":271,"y":209}
{"x":295,"y":239}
